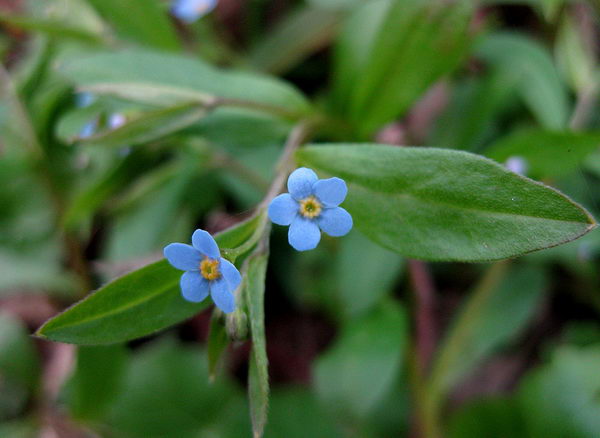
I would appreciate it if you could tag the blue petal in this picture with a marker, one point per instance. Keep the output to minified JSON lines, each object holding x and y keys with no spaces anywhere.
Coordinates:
{"x":335,"y":221}
{"x":300,"y":183}
{"x":331,"y":192}
{"x":182,"y":256}
{"x":231,"y":274}
{"x":283,"y":209}
{"x":304,"y":234}
{"x":194,"y":287}
{"x":222,"y":296}
{"x":205,"y":243}
{"x":190,"y":10}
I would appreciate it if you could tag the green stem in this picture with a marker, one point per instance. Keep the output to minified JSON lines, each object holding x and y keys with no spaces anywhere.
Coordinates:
{"x":285,"y":165}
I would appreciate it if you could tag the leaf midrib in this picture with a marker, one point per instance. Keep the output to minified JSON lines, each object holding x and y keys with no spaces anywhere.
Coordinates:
{"x":108,"y":313}
{"x":591,"y":221}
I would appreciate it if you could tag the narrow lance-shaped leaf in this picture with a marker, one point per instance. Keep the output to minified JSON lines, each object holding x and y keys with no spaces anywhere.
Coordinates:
{"x":548,"y":154}
{"x":258,"y":374}
{"x":181,"y":75}
{"x":437,"y":204}
{"x":134,"y":305}
{"x":151,"y":125}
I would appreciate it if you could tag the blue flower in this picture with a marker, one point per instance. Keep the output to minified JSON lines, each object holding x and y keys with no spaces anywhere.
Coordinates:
{"x":205,"y":271}
{"x":311,"y":206}
{"x":190,"y":10}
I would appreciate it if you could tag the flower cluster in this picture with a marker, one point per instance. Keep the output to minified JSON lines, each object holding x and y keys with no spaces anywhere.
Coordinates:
{"x":205,"y":271}
{"x":191,"y":10}
{"x":310,"y":206}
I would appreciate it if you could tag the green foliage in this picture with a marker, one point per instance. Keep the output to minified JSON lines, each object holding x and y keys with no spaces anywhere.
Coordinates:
{"x":97,"y":380}
{"x":388,"y":55}
{"x":548,"y":154}
{"x":134,"y":305}
{"x":533,"y":73}
{"x":356,"y":372}
{"x":178,"y":77}
{"x":438,"y":204}
{"x":561,"y":398}
{"x":151,"y":26}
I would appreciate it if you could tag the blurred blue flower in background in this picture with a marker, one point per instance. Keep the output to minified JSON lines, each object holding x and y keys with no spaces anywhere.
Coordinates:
{"x":83,"y":100}
{"x":88,"y":129}
{"x":191,"y":10}
{"x":311,"y":206}
{"x":205,"y":271}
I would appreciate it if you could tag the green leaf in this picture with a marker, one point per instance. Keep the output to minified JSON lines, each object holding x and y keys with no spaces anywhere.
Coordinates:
{"x":574,"y":58}
{"x":19,"y":360}
{"x":151,"y":26}
{"x":437,"y":204}
{"x":54,"y":28}
{"x":298,"y":35}
{"x":561,"y":399}
{"x":216,"y":344}
{"x":184,"y":74}
{"x":355,"y":373}
{"x":137,"y":304}
{"x":389,"y":54}
{"x":167,"y":394}
{"x":149,"y":126}
{"x":89,"y":200}
{"x":360,"y":289}
{"x":289,"y":412}
{"x":258,"y":374}
{"x":531,"y":68}
{"x":97,"y":381}
{"x":470,"y":117}
{"x":496,"y":312}
{"x":548,"y":154}
{"x":493,"y":418}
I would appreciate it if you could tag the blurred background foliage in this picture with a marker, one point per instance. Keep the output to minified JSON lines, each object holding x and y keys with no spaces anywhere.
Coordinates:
{"x":95,"y":178}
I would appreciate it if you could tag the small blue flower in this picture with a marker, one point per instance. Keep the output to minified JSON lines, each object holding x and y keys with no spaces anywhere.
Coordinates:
{"x":191,"y":10}
{"x":205,"y":271}
{"x":311,"y":206}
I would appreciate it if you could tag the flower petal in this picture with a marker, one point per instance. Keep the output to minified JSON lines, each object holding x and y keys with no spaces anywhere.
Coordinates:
{"x":283,"y":209}
{"x":205,"y":243}
{"x":300,"y":183}
{"x":190,"y":10}
{"x":222,"y":295}
{"x":194,"y":287}
{"x":335,"y":221}
{"x":304,"y":234}
{"x":182,"y":256}
{"x":230,"y":273}
{"x":331,"y":191}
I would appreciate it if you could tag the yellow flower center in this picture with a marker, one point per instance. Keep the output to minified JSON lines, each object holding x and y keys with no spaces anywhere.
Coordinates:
{"x":310,"y":207}
{"x":209,"y":269}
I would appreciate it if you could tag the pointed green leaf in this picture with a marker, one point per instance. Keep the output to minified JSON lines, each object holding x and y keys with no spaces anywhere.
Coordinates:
{"x":150,"y":125}
{"x":437,"y":204}
{"x":182,"y":74}
{"x":134,"y":305}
